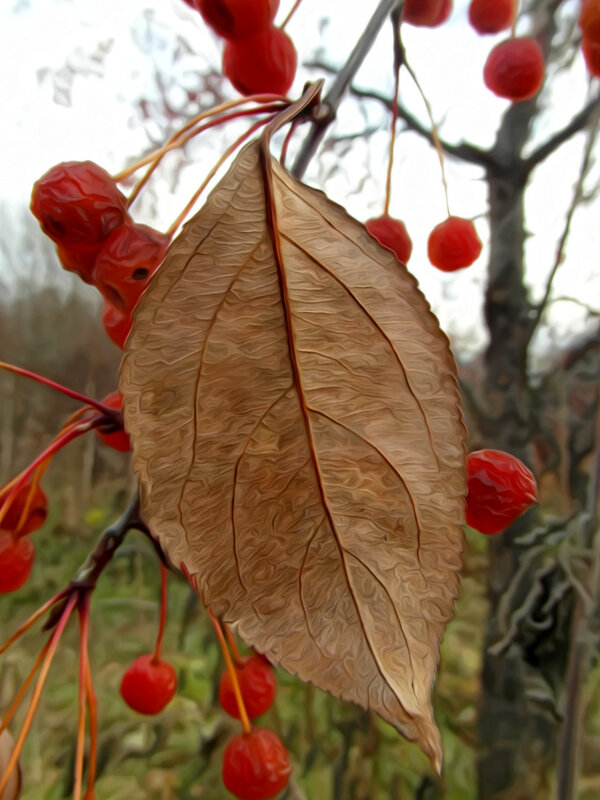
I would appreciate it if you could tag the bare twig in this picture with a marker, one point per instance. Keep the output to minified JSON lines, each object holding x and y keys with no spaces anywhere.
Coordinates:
{"x":327,"y":110}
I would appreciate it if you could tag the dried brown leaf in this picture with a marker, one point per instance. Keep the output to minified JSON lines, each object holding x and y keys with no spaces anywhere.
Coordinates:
{"x":294,"y":413}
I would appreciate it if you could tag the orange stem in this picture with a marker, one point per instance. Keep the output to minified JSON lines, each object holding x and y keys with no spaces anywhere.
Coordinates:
{"x":291,"y":14}
{"x":163,"y":612}
{"x":232,"y":673}
{"x":84,"y":609}
{"x":93,"y":707}
{"x":33,"y":619}
{"x":24,"y":686}
{"x":230,"y":150}
{"x":37,"y":691}
{"x":233,"y":645}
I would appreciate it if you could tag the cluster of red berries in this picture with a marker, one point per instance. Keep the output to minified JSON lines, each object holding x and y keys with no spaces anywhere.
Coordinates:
{"x":258,"y":58}
{"x":500,"y":489}
{"x":80,"y":207}
{"x":256,"y":765}
{"x":26,"y":513}
{"x":589,"y":22}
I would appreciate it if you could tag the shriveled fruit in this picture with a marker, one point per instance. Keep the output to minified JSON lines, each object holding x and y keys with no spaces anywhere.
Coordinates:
{"x":16,"y":559}
{"x":256,"y":765}
{"x":500,"y":489}
{"x":492,"y":16}
{"x":257,"y":685}
{"x":78,"y":204}
{"x":117,"y":439}
{"x":35,"y":508}
{"x":453,"y":244}
{"x":117,"y":324}
{"x":126,"y":263}
{"x":424,"y":13}
{"x":263,"y":63}
{"x":238,"y":19}
{"x":391,"y":233}
{"x":149,"y":684}
{"x":514,"y":69}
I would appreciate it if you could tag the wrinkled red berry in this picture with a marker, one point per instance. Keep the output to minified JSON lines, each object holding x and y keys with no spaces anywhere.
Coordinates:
{"x":492,"y":16}
{"x":127,"y":261}
{"x":238,"y":19}
{"x":117,"y":324}
{"x":424,"y":13}
{"x":148,"y":685}
{"x":16,"y":559}
{"x":264,"y":63}
{"x":500,"y":489}
{"x":78,"y":204}
{"x":257,"y":685}
{"x":453,"y":244}
{"x":391,"y":233}
{"x":514,"y":69}
{"x":36,"y":513}
{"x":256,"y":765}
{"x":117,"y":439}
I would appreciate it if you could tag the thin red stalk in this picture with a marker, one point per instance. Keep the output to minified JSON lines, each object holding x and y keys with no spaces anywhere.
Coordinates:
{"x":233,"y":645}
{"x":232,"y":674}
{"x":163,"y":612}
{"x":93,"y":708}
{"x":179,"y":140}
{"x":388,"y":182}
{"x":24,"y":686}
{"x":37,"y":691}
{"x":33,"y":619}
{"x":83,"y":398}
{"x":84,"y":612}
{"x":291,"y":14}
{"x":230,"y":150}
{"x":60,"y":441}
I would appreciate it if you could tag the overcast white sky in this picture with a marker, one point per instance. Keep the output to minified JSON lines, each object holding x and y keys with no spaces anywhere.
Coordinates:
{"x":73,"y":71}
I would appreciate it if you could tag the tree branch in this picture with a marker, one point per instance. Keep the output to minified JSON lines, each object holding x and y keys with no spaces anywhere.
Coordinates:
{"x":577,"y":124}
{"x":469,"y":153}
{"x":328,"y":108}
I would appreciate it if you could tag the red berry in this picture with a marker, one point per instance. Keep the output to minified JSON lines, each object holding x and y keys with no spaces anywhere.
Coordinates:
{"x":256,"y":765}
{"x":500,"y":489}
{"x":16,"y":559}
{"x":117,"y":324}
{"x":238,"y":19}
{"x":79,"y":259}
{"x":591,"y":54}
{"x":257,"y":685}
{"x":117,"y":439}
{"x":589,"y":20}
{"x":514,"y":69}
{"x":424,"y":13}
{"x":126,"y":263}
{"x":265,"y":63}
{"x":148,"y":685}
{"x":443,"y":14}
{"x":36,"y":513}
{"x":391,"y":233}
{"x":453,"y":244}
{"x":78,"y":204}
{"x":492,"y":16}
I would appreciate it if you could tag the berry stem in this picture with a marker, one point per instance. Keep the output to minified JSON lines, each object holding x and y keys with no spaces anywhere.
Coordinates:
{"x":163,"y":613}
{"x":398,"y":60}
{"x":23,"y":690}
{"x":83,"y":398}
{"x":230,"y":150}
{"x":232,"y":674}
{"x":179,"y":138}
{"x":37,"y":691}
{"x":290,"y":14}
{"x":286,"y":142}
{"x":233,"y":645}
{"x":83,"y":609}
{"x":93,"y":708}
{"x":33,"y":619}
